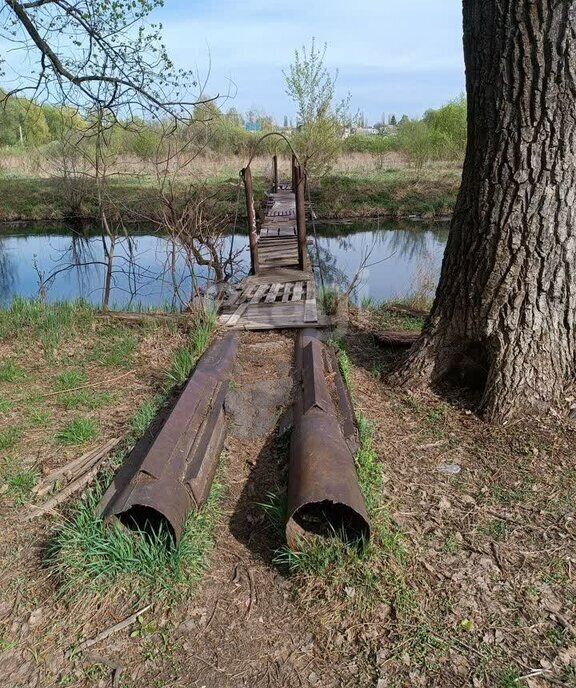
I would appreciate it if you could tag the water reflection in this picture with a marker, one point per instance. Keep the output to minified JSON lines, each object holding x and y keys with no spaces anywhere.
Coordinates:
{"x":149,"y":270}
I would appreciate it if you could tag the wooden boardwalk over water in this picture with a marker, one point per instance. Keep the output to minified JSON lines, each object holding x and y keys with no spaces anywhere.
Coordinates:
{"x":281,"y":292}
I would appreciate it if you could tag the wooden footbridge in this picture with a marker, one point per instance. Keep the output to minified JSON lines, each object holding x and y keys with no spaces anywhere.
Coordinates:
{"x":280,"y":292}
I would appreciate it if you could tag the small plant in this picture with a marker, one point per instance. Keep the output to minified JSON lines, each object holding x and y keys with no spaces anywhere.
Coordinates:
{"x":78,"y":431}
{"x":144,"y":416}
{"x":5,"y":405}
{"x":70,"y":379}
{"x":182,"y":363}
{"x":329,"y":299}
{"x":87,"y":398}
{"x":19,"y":480}
{"x":37,"y":417}
{"x":10,"y":371}
{"x":9,"y":437}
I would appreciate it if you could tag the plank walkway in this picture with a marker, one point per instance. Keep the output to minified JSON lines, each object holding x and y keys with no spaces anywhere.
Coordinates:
{"x":280,"y":296}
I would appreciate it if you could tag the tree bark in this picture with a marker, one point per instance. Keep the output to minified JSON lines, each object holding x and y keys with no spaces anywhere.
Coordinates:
{"x":505,"y":307}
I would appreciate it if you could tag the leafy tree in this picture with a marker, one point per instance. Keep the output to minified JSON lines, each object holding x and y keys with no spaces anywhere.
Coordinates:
{"x":96,"y":53}
{"x":311,"y":86}
{"x":504,"y":318}
{"x":449,"y":126}
{"x":393,"y":122}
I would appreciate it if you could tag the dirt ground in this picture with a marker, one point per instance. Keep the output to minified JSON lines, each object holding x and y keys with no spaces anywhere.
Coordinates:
{"x":486,"y":516}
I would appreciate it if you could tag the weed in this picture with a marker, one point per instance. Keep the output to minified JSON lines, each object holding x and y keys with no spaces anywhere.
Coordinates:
{"x":182,"y":363}
{"x":276,"y":509}
{"x":11,"y":371}
{"x":344,"y":364}
{"x":329,"y":299}
{"x":144,"y":416}
{"x":117,"y":348}
{"x":78,"y":431}
{"x":184,"y":359}
{"x":496,"y":528}
{"x":451,"y":545}
{"x":37,"y":417}
{"x":509,"y":678}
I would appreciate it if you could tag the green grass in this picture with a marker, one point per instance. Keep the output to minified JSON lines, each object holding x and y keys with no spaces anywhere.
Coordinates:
{"x":329,"y":298}
{"x":5,"y":405}
{"x":185,"y":357}
{"x":115,"y":348}
{"x":48,"y":324}
{"x":87,"y":556}
{"x":70,"y":379}
{"x":9,"y":437}
{"x":78,"y":431}
{"x":19,"y":480}
{"x":85,"y":398}
{"x":10,"y":371}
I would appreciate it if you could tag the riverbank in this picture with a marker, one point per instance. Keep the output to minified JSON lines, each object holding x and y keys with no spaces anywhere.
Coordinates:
{"x":393,"y":193}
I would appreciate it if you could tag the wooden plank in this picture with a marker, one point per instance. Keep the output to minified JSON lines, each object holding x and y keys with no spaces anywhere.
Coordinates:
{"x":259,"y":293}
{"x":235,"y":317}
{"x":297,"y":293}
{"x":274,"y":289}
{"x":287,"y":292}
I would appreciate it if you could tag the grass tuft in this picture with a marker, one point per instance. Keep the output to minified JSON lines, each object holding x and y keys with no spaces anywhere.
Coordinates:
{"x":9,"y":437}
{"x":11,"y":371}
{"x":18,"y":480}
{"x":89,"y":556}
{"x":78,"y":431}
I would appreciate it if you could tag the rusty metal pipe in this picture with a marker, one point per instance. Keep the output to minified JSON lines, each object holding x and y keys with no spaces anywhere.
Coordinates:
{"x":323,"y":492}
{"x":169,"y":475}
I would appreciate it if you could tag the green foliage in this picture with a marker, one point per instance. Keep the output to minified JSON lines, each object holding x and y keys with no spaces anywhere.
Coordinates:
{"x":10,"y":371}
{"x":311,"y":86}
{"x":89,"y":556}
{"x":78,"y":431}
{"x":19,"y":481}
{"x":440,"y":135}
{"x":9,"y":437}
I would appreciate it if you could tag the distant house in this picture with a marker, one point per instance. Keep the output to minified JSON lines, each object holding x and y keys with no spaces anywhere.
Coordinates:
{"x":366,"y":131}
{"x":253,"y":126}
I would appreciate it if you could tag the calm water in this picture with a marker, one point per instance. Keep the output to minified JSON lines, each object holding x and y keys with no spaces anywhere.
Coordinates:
{"x":399,"y":259}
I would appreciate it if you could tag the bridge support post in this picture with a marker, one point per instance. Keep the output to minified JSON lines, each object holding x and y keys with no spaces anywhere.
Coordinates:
{"x":275,"y":171}
{"x":251,"y":213}
{"x":293,"y":173}
{"x":301,"y":218}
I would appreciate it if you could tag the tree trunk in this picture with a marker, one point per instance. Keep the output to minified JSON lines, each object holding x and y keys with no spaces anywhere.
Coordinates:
{"x":505,"y":307}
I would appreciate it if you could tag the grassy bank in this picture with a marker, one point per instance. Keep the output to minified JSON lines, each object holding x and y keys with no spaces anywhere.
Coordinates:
{"x":71,"y":381}
{"x":358,"y":187}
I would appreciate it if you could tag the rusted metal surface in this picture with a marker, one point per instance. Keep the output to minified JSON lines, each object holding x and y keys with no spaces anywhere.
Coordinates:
{"x":323,"y":492}
{"x":167,"y":476}
{"x":251,"y":213}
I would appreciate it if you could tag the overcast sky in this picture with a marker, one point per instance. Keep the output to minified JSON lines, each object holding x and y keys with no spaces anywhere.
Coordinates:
{"x":393,"y":56}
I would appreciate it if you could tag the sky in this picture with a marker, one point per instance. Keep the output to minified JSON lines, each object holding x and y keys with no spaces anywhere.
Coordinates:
{"x":392,"y":56}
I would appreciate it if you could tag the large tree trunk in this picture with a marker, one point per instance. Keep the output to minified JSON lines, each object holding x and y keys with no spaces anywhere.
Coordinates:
{"x":506,"y":301}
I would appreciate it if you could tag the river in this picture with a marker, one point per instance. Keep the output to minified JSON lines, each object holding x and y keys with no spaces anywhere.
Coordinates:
{"x":398,"y":259}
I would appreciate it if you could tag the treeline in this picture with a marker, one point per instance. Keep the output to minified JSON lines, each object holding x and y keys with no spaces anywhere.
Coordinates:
{"x":439,"y":135}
